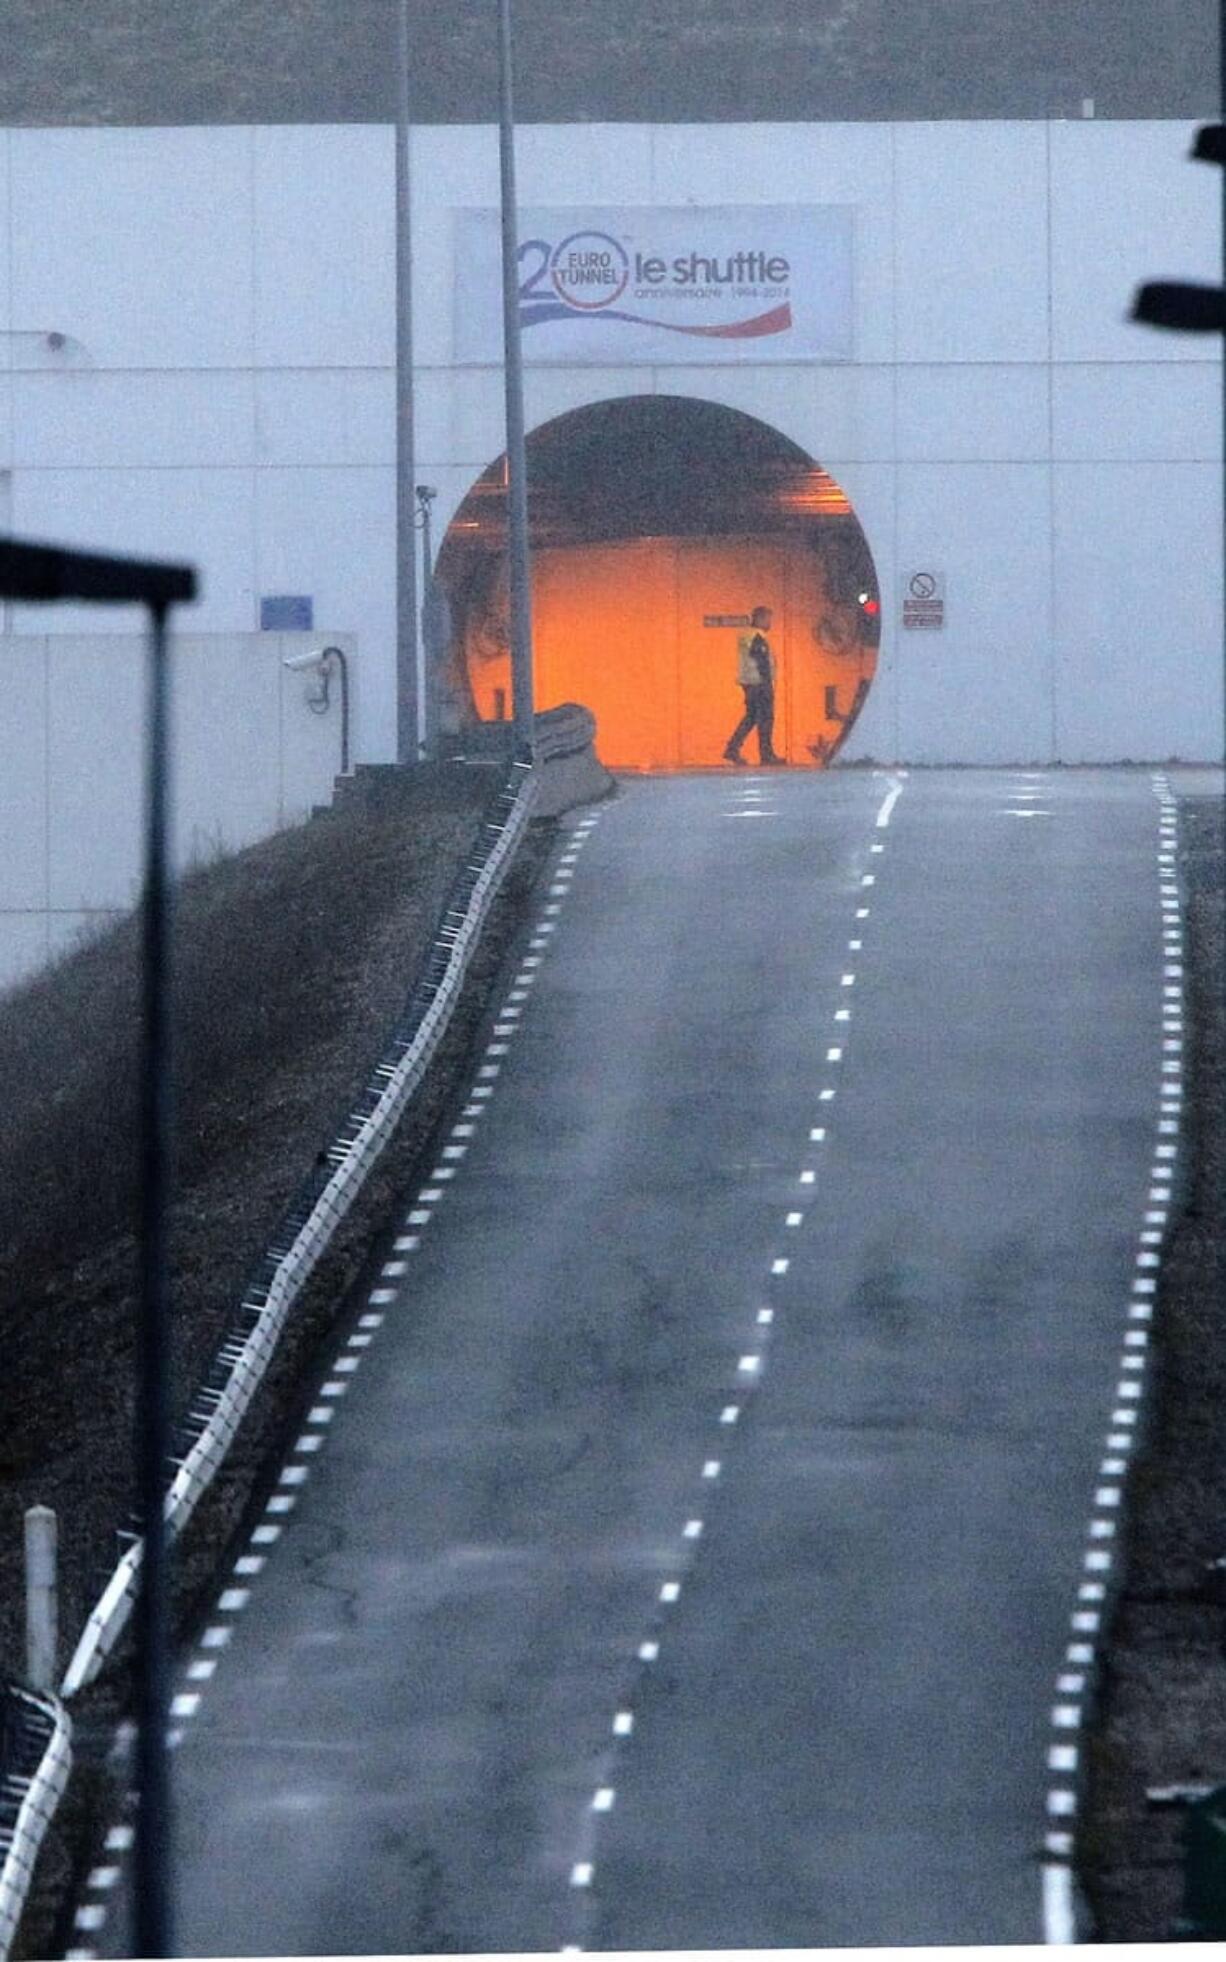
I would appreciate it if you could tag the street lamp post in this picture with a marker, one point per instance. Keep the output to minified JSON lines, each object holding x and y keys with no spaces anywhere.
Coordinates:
{"x":426,"y":495}
{"x":517,"y":468}
{"x":46,"y":572}
{"x":409,"y":730}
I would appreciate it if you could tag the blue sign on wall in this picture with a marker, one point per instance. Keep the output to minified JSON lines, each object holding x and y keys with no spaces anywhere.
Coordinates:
{"x":287,"y":613}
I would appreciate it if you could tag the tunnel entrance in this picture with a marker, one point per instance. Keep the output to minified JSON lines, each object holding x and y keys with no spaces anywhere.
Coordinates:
{"x":657,"y":524}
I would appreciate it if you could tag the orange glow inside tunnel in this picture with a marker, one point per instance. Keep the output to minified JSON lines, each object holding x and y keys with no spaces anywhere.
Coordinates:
{"x":635,"y":629}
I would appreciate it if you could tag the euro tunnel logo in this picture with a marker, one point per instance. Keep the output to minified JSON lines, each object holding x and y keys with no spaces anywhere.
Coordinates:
{"x":589,"y":270}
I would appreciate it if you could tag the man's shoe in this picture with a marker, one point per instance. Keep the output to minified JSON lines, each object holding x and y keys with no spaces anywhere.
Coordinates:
{"x":734,"y":756}
{"x":774,"y":763}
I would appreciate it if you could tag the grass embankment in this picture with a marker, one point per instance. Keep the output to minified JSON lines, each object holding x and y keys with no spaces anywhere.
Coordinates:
{"x":293,"y":961}
{"x":1162,"y":1712}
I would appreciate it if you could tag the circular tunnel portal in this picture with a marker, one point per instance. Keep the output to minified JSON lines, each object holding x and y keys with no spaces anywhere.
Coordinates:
{"x":657,"y":523}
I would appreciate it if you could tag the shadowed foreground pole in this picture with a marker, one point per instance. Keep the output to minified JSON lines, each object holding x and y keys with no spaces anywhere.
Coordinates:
{"x":47,"y":572}
{"x":522,"y":705}
{"x":154,"y":1929}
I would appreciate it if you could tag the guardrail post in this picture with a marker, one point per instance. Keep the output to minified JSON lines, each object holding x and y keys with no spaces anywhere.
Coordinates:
{"x":42,"y":1597}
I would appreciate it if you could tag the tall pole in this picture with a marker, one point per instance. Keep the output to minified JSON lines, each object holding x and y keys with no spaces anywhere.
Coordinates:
{"x":429,"y":656}
{"x":152,"y":1896}
{"x":517,"y":466}
{"x":409,"y":730}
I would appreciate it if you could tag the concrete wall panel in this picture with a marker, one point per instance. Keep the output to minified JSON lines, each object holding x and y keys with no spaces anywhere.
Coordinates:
{"x":1128,"y":411}
{"x":1127,"y":206}
{"x":225,"y":730}
{"x":23,"y":775}
{"x":6,"y":279}
{"x":126,"y":240}
{"x":325,"y":416}
{"x":971,"y":250}
{"x":964,"y":412}
{"x":84,"y":419}
{"x":581,"y":157}
{"x":1139,"y":611}
{"x":203,"y":517}
{"x":978,"y":690}
{"x":324,"y":246}
{"x":332,"y":534}
{"x":96,"y":708}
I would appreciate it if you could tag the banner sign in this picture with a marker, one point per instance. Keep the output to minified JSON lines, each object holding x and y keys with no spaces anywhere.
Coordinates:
{"x":623,"y":285}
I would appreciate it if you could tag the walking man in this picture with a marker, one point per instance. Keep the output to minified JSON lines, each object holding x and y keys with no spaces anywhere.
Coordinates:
{"x":755,"y":675}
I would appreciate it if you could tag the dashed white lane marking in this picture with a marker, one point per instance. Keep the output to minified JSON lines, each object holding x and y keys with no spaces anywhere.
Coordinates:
{"x":91,"y":1916}
{"x":748,"y":1368}
{"x":1059,"y":1922}
{"x":891,"y":798}
{"x":1063,"y":1758}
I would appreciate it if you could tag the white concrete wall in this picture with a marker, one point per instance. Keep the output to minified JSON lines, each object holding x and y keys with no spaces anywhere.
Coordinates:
{"x":1002,"y":418}
{"x":227,"y":389}
{"x":249,"y":757}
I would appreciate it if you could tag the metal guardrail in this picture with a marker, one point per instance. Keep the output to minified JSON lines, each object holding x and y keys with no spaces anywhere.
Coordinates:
{"x":35,"y":1760}
{"x":307,"y":1230}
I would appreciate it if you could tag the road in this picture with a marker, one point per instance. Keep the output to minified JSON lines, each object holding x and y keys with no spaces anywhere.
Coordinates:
{"x":687,"y":1556}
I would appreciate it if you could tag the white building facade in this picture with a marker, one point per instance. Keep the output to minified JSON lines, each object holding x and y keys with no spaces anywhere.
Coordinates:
{"x":197,"y":360}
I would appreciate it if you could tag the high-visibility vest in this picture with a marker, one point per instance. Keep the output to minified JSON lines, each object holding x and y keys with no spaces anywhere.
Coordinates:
{"x":748,"y":672}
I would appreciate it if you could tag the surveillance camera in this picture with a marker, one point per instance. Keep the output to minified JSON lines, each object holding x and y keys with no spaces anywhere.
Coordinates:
{"x":426,"y":492}
{"x":313,"y":659}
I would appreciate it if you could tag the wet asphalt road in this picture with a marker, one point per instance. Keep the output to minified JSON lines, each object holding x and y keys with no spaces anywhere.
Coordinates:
{"x":867,"y":1573}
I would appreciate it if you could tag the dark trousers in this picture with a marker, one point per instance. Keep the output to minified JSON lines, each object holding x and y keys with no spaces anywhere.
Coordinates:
{"x":760,"y":715}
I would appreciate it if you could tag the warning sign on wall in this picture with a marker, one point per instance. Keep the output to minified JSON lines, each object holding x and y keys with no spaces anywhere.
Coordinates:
{"x":923,"y":599}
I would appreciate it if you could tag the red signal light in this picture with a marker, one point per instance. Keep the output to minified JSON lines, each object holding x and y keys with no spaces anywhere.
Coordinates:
{"x":871,"y":606}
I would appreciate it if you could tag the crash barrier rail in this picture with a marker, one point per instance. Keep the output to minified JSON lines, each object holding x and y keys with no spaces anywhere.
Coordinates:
{"x":35,"y":1759}
{"x":311,"y":1221}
